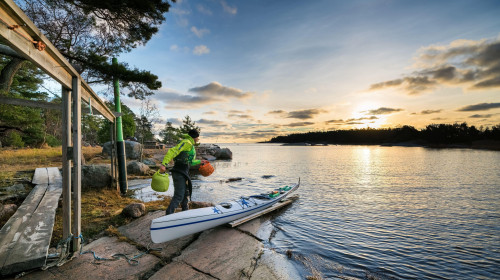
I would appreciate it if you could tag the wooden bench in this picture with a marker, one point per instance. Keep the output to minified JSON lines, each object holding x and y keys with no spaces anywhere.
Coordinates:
{"x":25,"y":238}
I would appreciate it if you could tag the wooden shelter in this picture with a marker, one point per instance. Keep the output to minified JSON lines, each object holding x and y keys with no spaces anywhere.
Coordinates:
{"x":28,"y":42}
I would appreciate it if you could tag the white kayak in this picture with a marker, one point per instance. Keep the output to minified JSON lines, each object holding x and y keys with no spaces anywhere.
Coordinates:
{"x":184,"y":223}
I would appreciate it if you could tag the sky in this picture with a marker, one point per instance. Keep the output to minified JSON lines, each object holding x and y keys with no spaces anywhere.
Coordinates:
{"x":247,"y":71}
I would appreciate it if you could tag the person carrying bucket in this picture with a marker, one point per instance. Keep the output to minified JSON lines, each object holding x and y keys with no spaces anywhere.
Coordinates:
{"x":184,"y":155}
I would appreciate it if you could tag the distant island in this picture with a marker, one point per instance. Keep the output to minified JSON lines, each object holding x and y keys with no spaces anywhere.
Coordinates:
{"x":433,"y":135}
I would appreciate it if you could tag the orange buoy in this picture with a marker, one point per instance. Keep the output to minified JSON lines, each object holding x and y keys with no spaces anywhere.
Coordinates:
{"x":206,"y":169}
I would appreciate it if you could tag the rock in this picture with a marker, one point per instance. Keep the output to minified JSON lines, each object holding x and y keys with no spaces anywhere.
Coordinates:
{"x":233,"y":179}
{"x":199,"y":204}
{"x":208,"y":149}
{"x":6,"y":211}
{"x":132,"y":149}
{"x":96,"y":176}
{"x":222,"y":253}
{"x":138,"y":231}
{"x":225,"y":153}
{"x":16,"y":188}
{"x":208,"y":157}
{"x":215,"y":151}
{"x":137,"y":168}
{"x":149,"y":162}
{"x":85,"y":266}
{"x":134,"y":210}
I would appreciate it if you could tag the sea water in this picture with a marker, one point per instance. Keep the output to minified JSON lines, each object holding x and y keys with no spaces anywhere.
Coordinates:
{"x":371,"y":212}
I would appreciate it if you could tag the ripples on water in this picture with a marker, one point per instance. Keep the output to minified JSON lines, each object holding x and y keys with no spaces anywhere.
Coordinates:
{"x":369,"y":211}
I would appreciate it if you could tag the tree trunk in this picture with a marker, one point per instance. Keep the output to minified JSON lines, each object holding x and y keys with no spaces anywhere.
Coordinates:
{"x":8,"y":72}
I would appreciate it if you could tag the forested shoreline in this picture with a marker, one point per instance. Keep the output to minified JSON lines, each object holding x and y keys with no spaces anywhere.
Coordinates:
{"x":437,"y":135}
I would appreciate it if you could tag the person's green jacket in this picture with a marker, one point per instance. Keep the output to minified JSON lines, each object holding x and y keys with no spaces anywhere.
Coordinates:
{"x":184,"y":155}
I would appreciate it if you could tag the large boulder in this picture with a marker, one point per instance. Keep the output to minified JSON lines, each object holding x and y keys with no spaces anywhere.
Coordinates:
{"x":133,"y":149}
{"x":6,"y":211}
{"x":150,"y":162}
{"x":208,"y":150}
{"x":96,"y":176}
{"x":225,"y":153}
{"x":137,"y":168}
{"x":134,"y":210}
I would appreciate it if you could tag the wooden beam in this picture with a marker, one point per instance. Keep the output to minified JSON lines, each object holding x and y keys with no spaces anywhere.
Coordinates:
{"x":77,"y":162}
{"x":29,"y":103}
{"x":50,"y":60}
{"x":97,"y":103}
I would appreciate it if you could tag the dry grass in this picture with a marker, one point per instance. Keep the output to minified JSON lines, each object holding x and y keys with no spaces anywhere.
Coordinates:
{"x":101,"y":209}
{"x":16,"y":163}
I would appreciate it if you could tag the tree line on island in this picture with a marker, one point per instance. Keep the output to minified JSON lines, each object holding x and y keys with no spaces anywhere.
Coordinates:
{"x":433,"y":134}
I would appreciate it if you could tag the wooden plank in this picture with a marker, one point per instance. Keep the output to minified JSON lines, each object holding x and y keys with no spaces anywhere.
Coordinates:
{"x":54,"y":176}
{"x":31,"y":247}
{"x":278,"y":205}
{"x":41,"y":177}
{"x":9,"y":234}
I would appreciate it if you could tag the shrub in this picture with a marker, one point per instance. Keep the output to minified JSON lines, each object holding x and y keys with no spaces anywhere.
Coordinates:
{"x":52,"y":141}
{"x":13,"y":139}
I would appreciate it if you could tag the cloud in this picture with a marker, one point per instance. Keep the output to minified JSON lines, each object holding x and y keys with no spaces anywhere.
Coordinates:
{"x":478,"y":116}
{"x":276,"y":112}
{"x":479,"y":107}
{"x":299,"y":124}
{"x":175,"y":121}
{"x":201,"y":50}
{"x":362,"y":119}
{"x":465,"y":63}
{"x":428,"y":112}
{"x":216,"y":89}
{"x":200,"y":32}
{"x":382,"y":111}
{"x":212,"y":123}
{"x":240,"y":116}
{"x":210,"y":113}
{"x":204,"y":10}
{"x":199,"y":96}
{"x":339,"y":121}
{"x":305,"y":114}
{"x":228,"y":9}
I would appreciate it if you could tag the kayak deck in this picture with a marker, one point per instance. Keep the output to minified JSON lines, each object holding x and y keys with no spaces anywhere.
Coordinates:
{"x":260,"y":213}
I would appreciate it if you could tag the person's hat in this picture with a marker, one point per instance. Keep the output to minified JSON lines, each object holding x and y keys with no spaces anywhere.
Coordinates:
{"x":194,"y":133}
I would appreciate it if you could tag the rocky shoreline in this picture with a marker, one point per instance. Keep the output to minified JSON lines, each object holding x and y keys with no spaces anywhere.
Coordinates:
{"x":219,"y":253}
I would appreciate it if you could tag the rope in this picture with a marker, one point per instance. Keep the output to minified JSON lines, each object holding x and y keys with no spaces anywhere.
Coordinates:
{"x":39,"y":45}
{"x":63,"y":255}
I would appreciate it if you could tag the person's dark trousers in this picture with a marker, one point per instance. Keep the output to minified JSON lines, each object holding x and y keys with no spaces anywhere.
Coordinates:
{"x":180,"y":193}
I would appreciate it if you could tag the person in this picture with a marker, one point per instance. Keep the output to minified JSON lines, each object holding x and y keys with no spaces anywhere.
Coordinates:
{"x":184,"y":155}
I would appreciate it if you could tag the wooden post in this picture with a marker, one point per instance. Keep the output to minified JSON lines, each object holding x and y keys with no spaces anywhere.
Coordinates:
{"x":66,"y":143}
{"x":77,"y":161}
{"x":113,"y":156}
